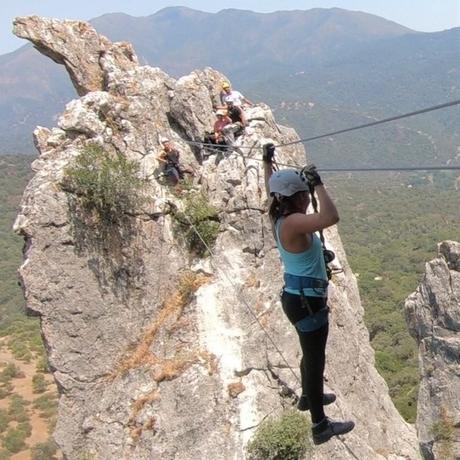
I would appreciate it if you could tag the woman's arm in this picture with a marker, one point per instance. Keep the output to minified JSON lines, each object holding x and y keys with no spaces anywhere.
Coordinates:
{"x":310,"y":223}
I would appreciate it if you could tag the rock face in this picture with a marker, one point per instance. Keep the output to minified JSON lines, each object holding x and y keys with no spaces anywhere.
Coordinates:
{"x":145,"y":368}
{"x":433,"y":315}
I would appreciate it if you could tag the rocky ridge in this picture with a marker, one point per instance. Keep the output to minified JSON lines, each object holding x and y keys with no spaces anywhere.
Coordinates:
{"x":139,"y":376}
{"x":433,"y":315}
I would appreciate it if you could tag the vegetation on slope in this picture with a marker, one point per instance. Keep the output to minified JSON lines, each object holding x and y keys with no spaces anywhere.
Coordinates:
{"x":390,"y":225}
{"x":27,"y":413}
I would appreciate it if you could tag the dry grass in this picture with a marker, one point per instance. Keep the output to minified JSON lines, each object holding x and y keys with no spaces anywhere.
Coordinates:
{"x":236,"y":388}
{"x":252,"y":281}
{"x":164,"y":369}
{"x":148,"y":425}
{"x":210,"y":360}
{"x":169,"y":369}
{"x":166,"y":319}
{"x":136,"y":433}
{"x":138,"y":406}
{"x":140,"y":403}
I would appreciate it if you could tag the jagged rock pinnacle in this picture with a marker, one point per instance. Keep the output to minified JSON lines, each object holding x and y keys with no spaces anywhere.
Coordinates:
{"x":433,"y":316}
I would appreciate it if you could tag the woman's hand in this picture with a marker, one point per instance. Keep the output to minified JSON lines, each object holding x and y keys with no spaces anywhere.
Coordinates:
{"x":312,"y":176}
{"x":269,"y":153}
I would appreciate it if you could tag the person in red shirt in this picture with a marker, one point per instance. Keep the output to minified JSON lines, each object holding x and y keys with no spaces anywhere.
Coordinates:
{"x":217,"y":136}
{"x":222,"y":121}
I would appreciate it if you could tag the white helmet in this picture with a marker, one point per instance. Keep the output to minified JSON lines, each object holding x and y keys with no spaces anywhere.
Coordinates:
{"x":286,"y":182}
{"x":164,"y":139}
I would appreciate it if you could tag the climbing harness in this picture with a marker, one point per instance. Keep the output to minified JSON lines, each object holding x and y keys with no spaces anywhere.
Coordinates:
{"x":304,"y":282}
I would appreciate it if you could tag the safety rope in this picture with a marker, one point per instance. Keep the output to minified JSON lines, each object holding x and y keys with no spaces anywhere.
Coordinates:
{"x":242,"y":299}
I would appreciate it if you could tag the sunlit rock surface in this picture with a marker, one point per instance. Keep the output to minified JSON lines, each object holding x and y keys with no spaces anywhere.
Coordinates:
{"x":433,"y":315}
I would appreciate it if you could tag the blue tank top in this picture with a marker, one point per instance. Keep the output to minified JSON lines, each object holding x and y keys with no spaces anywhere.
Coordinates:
{"x":306,"y":263}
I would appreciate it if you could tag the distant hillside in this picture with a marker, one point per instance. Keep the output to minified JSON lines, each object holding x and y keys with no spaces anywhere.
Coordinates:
{"x":33,"y":90}
{"x":321,"y":70}
{"x":239,"y":42}
{"x":246,"y":46}
{"x":386,"y":78}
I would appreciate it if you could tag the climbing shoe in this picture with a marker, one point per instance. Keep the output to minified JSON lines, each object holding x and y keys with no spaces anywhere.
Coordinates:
{"x":327,"y":428}
{"x":328,"y":398}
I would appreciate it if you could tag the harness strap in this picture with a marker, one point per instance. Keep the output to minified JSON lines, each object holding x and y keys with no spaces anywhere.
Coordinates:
{"x":304,"y":282}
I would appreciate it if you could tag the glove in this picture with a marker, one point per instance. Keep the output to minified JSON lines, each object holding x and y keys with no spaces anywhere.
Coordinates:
{"x":311,"y":175}
{"x":269,"y":153}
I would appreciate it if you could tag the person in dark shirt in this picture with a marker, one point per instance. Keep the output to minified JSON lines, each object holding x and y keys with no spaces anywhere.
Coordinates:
{"x":235,"y":113}
{"x":169,"y":157}
{"x":236,"y":128}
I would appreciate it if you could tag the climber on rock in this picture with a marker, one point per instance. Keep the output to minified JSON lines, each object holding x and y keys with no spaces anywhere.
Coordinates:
{"x":304,"y":296}
{"x":228,"y":93}
{"x":237,"y":125}
{"x":169,"y":157}
{"x":217,"y":137}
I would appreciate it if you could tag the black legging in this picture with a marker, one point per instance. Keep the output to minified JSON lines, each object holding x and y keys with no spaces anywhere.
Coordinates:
{"x":313,"y":346}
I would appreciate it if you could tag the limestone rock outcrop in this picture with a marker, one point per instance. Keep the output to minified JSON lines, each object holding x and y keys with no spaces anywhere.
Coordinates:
{"x":144,"y":370}
{"x":433,"y":316}
{"x":87,"y":56}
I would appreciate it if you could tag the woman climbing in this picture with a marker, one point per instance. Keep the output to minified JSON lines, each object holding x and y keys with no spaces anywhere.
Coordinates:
{"x":304,"y":297}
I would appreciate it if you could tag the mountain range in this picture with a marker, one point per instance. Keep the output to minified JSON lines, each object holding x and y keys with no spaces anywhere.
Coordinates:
{"x":321,"y":70}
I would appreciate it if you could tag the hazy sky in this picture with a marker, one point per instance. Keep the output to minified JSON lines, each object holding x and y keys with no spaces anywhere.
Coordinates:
{"x":421,"y":15}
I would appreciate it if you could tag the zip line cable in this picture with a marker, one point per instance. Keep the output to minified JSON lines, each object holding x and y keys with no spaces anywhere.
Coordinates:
{"x":403,"y":168}
{"x":374,"y":123}
{"x":365,"y":169}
